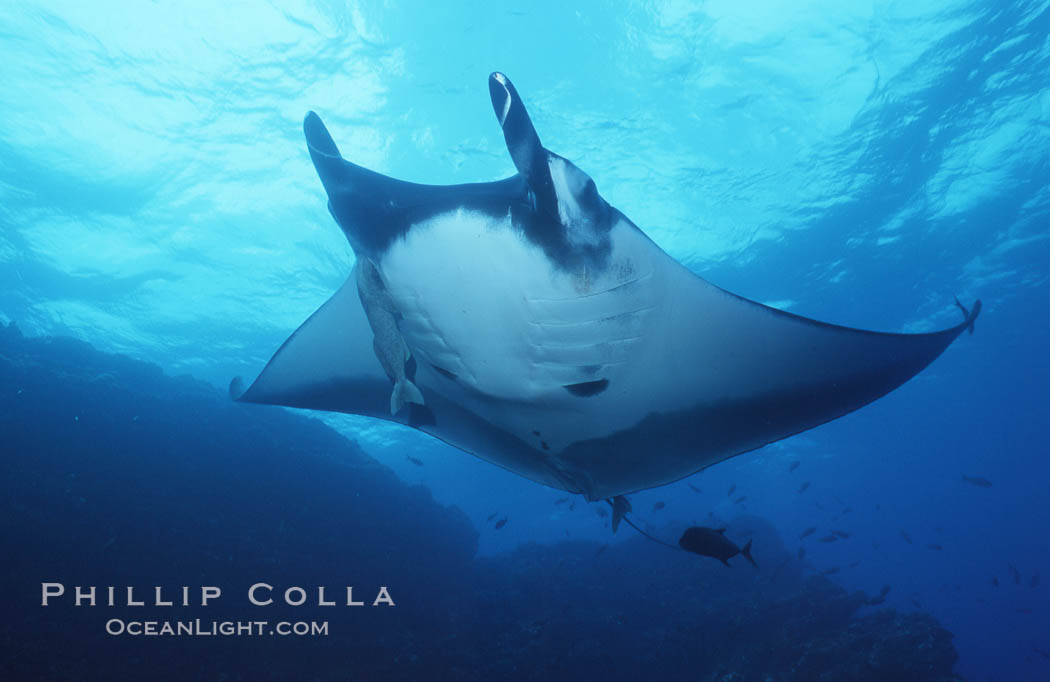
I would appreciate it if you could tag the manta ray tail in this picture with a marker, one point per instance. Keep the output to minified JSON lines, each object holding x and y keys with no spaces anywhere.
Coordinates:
{"x":969,"y":315}
{"x":404,"y":392}
{"x":746,"y":551}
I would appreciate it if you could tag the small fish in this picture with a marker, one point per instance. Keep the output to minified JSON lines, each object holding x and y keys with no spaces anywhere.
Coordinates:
{"x":907,"y":538}
{"x":916,"y":603}
{"x":934,"y":545}
{"x":829,"y":538}
{"x":492,"y":516}
{"x":712,"y":542}
{"x":740,"y":499}
{"x":658,"y":506}
{"x":732,"y":488}
{"x":830,"y":571}
{"x":803,"y":487}
{"x":995,"y":580}
{"x":809,"y":531}
{"x":502,"y":522}
{"x":854,"y":564}
{"x":1034,"y":582}
{"x":845,"y":511}
{"x":978,"y":481}
{"x":801,"y":552}
{"x":601,"y":549}
{"x":841,"y":533}
{"x":794,"y":465}
{"x":572,"y":505}
{"x":1017,"y":574}
{"x":693,"y":488}
{"x":602,"y":512}
{"x":414,"y":460}
{"x":561,"y":500}
{"x":1041,"y":652}
{"x":1023,"y":609}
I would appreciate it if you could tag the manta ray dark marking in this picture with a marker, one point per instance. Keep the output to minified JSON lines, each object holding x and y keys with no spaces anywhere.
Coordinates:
{"x":531,"y":305}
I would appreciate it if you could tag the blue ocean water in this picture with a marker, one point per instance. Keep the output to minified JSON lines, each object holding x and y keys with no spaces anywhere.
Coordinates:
{"x":859,"y":163}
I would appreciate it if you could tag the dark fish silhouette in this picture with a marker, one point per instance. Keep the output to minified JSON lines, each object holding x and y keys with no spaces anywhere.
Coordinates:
{"x":620,"y":508}
{"x":934,"y":545}
{"x":916,"y":603}
{"x":794,"y":465}
{"x":492,"y":516}
{"x":803,"y":487}
{"x":601,"y":549}
{"x":830,"y":571}
{"x":1017,"y":574}
{"x":841,"y":533}
{"x":801,"y":552}
{"x":1034,"y":583}
{"x":1041,"y":652}
{"x":417,"y":462}
{"x":809,"y":531}
{"x":740,"y":499}
{"x":572,"y":505}
{"x":602,"y":512}
{"x":561,"y":500}
{"x":907,"y":538}
{"x":658,"y":506}
{"x":712,"y":542}
{"x":502,"y":522}
{"x":829,"y":538}
{"x":693,"y":487}
{"x":978,"y":481}
{"x":731,"y":489}
{"x":995,"y":580}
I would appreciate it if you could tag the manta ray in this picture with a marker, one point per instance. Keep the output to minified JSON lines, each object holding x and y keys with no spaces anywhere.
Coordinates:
{"x":530,"y":323}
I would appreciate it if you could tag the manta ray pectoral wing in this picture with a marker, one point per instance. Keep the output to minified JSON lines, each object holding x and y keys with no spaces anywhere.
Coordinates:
{"x":327,"y":364}
{"x":732,"y":375}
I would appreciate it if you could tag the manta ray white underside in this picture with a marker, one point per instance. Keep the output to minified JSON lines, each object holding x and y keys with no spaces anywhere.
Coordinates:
{"x":547,"y":334}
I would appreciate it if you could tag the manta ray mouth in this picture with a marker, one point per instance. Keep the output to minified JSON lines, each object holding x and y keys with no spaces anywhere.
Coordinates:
{"x":586,"y":389}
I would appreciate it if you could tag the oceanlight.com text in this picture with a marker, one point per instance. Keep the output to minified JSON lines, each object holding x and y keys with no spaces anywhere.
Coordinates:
{"x":198,"y":628}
